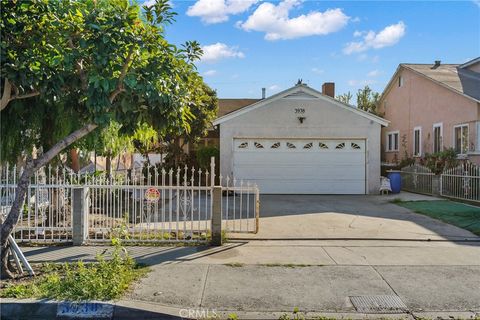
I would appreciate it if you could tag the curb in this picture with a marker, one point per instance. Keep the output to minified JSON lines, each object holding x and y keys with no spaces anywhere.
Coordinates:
{"x":135,"y":309}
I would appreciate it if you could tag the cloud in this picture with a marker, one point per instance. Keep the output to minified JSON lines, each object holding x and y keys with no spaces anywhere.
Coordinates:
{"x":356,"y":83}
{"x":150,"y":3}
{"x":274,"y":87}
{"x":477,"y":2}
{"x":372,"y":40}
{"x":373,"y":73}
{"x":218,"y":51}
{"x":317,"y":70}
{"x":274,"y":20}
{"x":210,"y":73}
{"x":217,"y":11}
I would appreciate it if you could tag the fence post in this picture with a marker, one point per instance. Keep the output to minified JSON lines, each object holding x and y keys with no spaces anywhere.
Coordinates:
{"x":212,"y":171}
{"x":436,"y":184}
{"x":217,"y":216}
{"x":257,"y":209}
{"x":80,"y":216}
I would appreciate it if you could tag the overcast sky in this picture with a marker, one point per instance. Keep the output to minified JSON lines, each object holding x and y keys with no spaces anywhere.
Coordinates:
{"x":251,"y":44}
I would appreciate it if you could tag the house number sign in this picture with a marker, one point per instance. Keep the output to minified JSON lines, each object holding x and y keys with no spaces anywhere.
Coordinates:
{"x":299,"y":110}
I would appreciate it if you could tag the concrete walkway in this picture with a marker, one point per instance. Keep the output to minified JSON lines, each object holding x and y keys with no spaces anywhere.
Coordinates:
{"x":348,"y":217}
{"x":272,"y":277}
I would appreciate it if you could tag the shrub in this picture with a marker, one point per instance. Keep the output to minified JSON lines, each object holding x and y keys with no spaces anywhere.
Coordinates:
{"x":103,"y":280}
{"x":439,"y":161}
{"x":204,"y":154}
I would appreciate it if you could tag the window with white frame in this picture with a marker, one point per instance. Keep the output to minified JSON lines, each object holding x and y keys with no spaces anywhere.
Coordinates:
{"x":400,"y":81}
{"x":392,"y":140}
{"x":417,"y":141}
{"x":437,"y":137}
{"x":460,"y":138}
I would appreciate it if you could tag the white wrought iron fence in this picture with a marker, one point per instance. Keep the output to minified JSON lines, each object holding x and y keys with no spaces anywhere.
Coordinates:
{"x":140,"y":205}
{"x":240,"y":206}
{"x":461,"y":182}
{"x":173,"y":206}
{"x":417,"y":178}
{"x":46,"y":214}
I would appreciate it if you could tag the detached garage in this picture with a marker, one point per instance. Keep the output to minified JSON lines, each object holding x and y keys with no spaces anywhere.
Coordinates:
{"x":301,"y":141}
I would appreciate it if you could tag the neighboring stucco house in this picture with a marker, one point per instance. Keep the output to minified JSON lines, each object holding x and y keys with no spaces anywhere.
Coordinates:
{"x":432,"y":107}
{"x":301,"y":141}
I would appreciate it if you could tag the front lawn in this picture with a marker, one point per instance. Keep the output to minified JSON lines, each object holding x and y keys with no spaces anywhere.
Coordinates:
{"x":101,"y":280}
{"x":457,"y":214}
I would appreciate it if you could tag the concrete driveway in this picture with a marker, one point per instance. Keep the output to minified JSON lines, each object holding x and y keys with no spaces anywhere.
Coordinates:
{"x":347,"y":217}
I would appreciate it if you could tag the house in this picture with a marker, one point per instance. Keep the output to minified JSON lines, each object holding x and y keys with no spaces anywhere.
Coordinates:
{"x":432,"y":107}
{"x":225,"y":106}
{"x":302,"y":141}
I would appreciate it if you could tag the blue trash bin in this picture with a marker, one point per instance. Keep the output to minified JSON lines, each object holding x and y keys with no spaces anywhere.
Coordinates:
{"x":395,"y":180}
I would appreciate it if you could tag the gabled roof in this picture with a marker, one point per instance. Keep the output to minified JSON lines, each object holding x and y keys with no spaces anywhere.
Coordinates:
{"x":226,"y":106}
{"x":453,"y":77}
{"x":298,"y":91}
{"x":471,"y":62}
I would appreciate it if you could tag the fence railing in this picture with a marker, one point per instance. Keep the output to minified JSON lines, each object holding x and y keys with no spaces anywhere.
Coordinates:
{"x":142,"y":205}
{"x":240,"y":206}
{"x":417,"y":178}
{"x":461,"y":182}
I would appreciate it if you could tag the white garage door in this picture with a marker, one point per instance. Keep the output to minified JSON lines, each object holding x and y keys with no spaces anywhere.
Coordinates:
{"x":292,"y":166}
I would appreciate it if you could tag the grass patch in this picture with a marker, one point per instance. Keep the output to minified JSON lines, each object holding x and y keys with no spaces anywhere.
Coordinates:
{"x":101,"y":280}
{"x":457,"y":214}
{"x":396,"y":200}
{"x":235,"y":264}
{"x":287,"y":265}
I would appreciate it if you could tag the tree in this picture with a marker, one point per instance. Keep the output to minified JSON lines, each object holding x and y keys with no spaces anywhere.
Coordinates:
{"x":80,"y":65}
{"x":367,"y":100}
{"x":345,"y":98}
{"x":204,"y":110}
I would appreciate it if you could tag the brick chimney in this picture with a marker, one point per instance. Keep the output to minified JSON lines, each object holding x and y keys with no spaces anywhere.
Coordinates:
{"x":328,"y":89}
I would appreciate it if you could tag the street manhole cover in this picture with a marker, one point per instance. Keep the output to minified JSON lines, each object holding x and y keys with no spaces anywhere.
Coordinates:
{"x":378,"y":304}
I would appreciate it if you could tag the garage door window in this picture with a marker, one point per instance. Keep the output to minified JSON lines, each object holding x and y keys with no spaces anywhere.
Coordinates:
{"x":308,"y":146}
{"x":340,"y":145}
{"x":355,"y":146}
{"x":276,"y":145}
{"x":258,"y":145}
{"x":322,"y":145}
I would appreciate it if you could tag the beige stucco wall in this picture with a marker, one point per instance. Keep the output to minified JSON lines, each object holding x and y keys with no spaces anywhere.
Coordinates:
{"x":423,"y":103}
{"x":323,"y":120}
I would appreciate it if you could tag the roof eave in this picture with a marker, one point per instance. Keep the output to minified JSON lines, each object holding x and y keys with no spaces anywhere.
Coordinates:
{"x":258,"y":104}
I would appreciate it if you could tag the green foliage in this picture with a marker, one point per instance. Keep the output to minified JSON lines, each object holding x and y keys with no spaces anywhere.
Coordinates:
{"x":92,"y":62}
{"x":103,"y":280}
{"x":232,"y":316}
{"x":345,"y":98}
{"x":367,"y":100}
{"x":204,"y":154}
{"x":439,"y":161}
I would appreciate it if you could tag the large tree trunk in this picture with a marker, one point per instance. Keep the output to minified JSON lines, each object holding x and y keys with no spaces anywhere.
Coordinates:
{"x":75,"y":161}
{"x":30,"y":167}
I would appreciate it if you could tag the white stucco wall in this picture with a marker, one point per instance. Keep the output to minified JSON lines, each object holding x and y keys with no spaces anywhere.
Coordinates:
{"x":324,"y":119}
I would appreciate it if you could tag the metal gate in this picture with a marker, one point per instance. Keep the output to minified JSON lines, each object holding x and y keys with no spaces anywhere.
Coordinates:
{"x":139,"y":205}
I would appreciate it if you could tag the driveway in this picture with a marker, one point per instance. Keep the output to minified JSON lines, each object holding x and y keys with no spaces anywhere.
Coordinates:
{"x":348,"y":217}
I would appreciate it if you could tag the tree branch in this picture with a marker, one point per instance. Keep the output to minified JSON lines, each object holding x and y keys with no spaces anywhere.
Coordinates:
{"x":7,"y":94}
{"x":29,"y":170}
{"x":122,"y":76}
{"x":79,"y":67}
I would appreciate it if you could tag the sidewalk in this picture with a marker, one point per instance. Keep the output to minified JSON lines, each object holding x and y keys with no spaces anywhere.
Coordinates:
{"x":272,"y":277}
